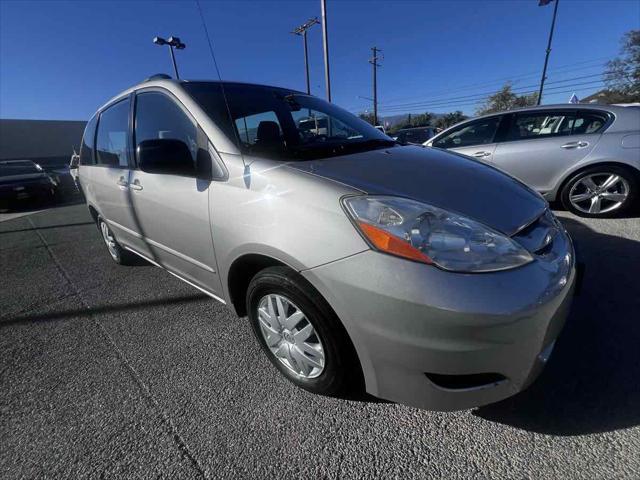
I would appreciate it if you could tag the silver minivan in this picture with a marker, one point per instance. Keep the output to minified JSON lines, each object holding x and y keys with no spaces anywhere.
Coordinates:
{"x":428,"y":278}
{"x":585,"y":156}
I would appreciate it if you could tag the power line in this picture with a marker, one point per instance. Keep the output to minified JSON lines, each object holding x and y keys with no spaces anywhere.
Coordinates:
{"x":475,"y":99}
{"x":597,"y":63}
{"x":482,"y":95}
{"x":573,"y":90}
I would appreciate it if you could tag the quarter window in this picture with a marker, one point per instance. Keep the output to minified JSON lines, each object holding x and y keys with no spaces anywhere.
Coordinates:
{"x":111,"y":142}
{"x":159,"y":117}
{"x":588,"y":122}
{"x":476,"y":133}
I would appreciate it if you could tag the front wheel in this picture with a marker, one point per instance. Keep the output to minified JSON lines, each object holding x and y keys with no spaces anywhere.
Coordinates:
{"x":300,"y":333}
{"x":600,"y":192}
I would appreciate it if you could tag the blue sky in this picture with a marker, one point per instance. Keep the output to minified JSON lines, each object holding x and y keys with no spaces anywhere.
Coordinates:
{"x":61,"y":60}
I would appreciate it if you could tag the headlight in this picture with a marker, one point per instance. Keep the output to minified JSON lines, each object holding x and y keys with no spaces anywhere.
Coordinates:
{"x":431,"y":235}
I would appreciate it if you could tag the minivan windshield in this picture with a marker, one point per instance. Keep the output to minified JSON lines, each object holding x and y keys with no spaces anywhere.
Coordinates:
{"x":281,"y":123}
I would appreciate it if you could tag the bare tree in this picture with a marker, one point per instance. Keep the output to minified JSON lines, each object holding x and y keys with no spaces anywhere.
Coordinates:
{"x":622,"y":76}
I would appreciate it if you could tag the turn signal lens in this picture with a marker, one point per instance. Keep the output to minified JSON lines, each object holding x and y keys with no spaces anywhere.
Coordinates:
{"x":386,"y":242}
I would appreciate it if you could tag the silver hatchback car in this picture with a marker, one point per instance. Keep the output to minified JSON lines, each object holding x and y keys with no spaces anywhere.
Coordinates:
{"x":586,"y":156}
{"x":429,"y":278}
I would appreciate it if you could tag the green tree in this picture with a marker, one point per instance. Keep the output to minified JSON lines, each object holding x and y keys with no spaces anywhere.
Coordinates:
{"x":622,"y":76}
{"x":367,"y":117}
{"x":506,"y":99}
{"x":449,"y":119}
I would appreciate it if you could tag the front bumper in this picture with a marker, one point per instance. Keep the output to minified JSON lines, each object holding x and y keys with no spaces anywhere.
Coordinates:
{"x":447,"y":341}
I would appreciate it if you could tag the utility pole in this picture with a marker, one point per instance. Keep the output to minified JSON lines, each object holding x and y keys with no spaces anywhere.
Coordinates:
{"x":374,"y":63}
{"x":302,"y":31}
{"x":325,"y":44}
{"x":546,"y":58}
{"x":172,"y":42}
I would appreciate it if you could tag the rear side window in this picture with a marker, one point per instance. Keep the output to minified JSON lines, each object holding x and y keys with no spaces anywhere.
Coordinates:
{"x":475,"y":133}
{"x":111,"y":141}
{"x":88,"y":142}
{"x":159,"y":117}
{"x":533,"y":125}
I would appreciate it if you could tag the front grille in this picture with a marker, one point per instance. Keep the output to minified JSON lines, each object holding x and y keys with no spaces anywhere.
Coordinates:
{"x":538,"y":237}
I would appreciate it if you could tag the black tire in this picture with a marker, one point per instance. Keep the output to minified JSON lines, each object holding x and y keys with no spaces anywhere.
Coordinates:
{"x":118,"y":254}
{"x":341,"y":373}
{"x":626,"y":173}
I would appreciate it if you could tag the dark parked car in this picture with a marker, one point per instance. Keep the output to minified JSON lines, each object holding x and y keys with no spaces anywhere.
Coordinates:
{"x":414,"y":136}
{"x":24,"y":180}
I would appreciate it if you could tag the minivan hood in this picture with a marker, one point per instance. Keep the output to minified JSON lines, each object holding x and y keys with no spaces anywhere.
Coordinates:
{"x":442,"y":179}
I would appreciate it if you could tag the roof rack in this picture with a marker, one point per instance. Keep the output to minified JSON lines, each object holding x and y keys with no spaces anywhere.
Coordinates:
{"x":158,"y":76}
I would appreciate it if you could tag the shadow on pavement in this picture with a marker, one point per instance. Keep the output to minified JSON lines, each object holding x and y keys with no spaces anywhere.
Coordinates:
{"x":97,"y":310}
{"x":592,"y":382}
{"x":47,"y":227}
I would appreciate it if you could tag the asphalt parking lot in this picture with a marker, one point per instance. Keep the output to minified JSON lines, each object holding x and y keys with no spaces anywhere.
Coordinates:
{"x":110,"y":371}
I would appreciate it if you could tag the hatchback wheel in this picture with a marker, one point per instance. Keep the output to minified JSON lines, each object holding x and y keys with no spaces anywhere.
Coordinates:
{"x":600,"y":192}
{"x":300,"y":333}
{"x":118,"y":254}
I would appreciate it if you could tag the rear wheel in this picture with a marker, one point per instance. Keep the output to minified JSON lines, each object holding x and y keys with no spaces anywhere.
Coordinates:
{"x":300,"y":333}
{"x":600,"y":192}
{"x":118,"y":254}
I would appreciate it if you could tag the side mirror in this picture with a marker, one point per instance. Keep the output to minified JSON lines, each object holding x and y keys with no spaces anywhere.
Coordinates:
{"x":166,"y":156}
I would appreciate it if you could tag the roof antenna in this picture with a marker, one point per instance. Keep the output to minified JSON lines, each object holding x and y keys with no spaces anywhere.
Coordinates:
{"x":224,"y":95}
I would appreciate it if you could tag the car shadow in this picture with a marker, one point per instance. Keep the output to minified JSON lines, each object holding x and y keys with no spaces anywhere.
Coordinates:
{"x":592,"y":381}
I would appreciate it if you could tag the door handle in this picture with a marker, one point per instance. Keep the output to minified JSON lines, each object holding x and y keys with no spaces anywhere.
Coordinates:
{"x":135,"y":185}
{"x":580,"y":144}
{"x":122,"y":182}
{"x":481,"y":154}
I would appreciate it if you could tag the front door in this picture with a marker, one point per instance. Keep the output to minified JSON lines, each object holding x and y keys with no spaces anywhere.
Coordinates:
{"x":173,"y":210}
{"x":474,"y":139}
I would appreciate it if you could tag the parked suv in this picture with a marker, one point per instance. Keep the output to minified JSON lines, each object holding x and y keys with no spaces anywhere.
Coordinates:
{"x":437,"y":281}
{"x":586,"y":156}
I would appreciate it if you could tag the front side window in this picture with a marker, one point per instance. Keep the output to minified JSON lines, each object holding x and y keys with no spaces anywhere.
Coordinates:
{"x":533,"y":125}
{"x":159,"y":117}
{"x":88,"y":142}
{"x":475,"y":133}
{"x":111,"y":141}
{"x":268,"y":124}
{"x":281,"y":123}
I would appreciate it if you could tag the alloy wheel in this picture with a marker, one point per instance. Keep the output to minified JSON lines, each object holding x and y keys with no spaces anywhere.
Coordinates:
{"x":599,"y":193}
{"x":290,"y":336}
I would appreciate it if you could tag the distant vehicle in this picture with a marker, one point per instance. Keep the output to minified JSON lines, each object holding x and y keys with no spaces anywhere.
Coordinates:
{"x":24,"y":180}
{"x":414,"y":136}
{"x":587,"y":156}
{"x":356,"y":260}
{"x":74,"y":163}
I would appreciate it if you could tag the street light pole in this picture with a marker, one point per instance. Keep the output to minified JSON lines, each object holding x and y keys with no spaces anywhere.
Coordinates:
{"x":172,"y":42}
{"x":325,"y":43}
{"x":546,"y":58}
{"x":173,"y":60}
{"x":302,"y":31}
